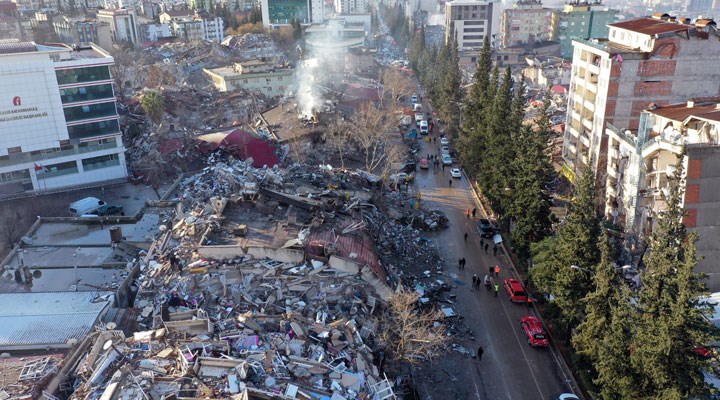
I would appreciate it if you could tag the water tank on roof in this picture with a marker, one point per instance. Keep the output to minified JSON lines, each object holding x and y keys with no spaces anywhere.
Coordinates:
{"x":115,"y":234}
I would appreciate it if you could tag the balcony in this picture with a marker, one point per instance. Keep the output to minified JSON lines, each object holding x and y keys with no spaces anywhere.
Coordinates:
{"x":585,"y":140}
{"x":587,"y":124}
{"x":575,"y":115}
{"x":613,"y":153}
{"x":573,"y":131}
{"x":594,"y":69}
{"x":589,"y":105}
{"x":668,"y":142}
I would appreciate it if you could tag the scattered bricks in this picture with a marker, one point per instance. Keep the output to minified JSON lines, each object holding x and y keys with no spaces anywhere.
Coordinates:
{"x":652,"y":68}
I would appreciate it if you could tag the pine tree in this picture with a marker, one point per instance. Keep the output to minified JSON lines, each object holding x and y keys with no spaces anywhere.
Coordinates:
{"x":671,"y":323}
{"x":471,"y":144}
{"x":577,"y":246}
{"x":450,"y":89}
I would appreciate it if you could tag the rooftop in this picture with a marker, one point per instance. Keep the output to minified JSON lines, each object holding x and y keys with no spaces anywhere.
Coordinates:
{"x":705,"y":110}
{"x":651,"y":26}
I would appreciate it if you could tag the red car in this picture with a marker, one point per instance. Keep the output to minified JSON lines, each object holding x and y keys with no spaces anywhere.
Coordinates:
{"x":515,"y":291}
{"x":534,"y":331}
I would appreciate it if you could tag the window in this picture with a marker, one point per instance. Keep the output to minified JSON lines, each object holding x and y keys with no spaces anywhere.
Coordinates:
{"x":279,"y":78}
{"x":89,"y":111}
{"x":106,"y":161}
{"x":86,"y":93}
{"x":14,"y":150}
{"x":85,"y":74}
{"x":49,"y":171}
{"x":245,"y":81}
{"x":87,"y":130}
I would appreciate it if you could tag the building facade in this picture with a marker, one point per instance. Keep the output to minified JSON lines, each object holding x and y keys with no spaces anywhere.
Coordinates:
{"x":527,"y":21}
{"x":121,"y":27}
{"x":581,"y":20}
{"x":641,"y":162}
{"x":351,"y":6}
{"x":10,"y":26}
{"x":58,"y":118}
{"x":256,"y":76}
{"x":648,"y":60}
{"x":468,"y":21}
{"x":276,"y":13}
{"x":76,"y":32}
{"x":191,"y":25}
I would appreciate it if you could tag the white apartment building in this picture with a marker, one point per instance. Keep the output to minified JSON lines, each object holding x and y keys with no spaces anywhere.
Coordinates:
{"x":121,"y":26}
{"x":189,"y":25}
{"x":351,"y":6}
{"x":468,"y":21}
{"x":58,"y":118}
{"x":276,"y":13}
{"x":648,"y":60}
{"x":526,"y":21}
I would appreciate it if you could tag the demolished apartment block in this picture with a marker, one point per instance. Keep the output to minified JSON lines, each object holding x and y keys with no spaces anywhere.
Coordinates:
{"x":264,"y":284}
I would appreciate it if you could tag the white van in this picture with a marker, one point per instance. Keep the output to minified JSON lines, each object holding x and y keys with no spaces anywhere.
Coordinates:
{"x":85,"y":206}
{"x":423,"y":127}
{"x":417,"y":107}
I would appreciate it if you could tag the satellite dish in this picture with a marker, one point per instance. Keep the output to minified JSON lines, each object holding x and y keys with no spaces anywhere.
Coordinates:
{"x":72,"y":342}
{"x":108,"y":344}
{"x":5,"y":356}
{"x":111,"y":325}
{"x":37,"y":274}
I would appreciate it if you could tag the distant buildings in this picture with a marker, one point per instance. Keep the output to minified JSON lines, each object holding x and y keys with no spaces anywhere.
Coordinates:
{"x":256,"y":76}
{"x":468,"y":22}
{"x":649,"y":60}
{"x":117,"y":26}
{"x":10,"y":27}
{"x":58,"y":118}
{"x":76,"y":32}
{"x":351,"y":6}
{"x":282,"y":12}
{"x":191,"y":25}
{"x":527,"y":21}
{"x":581,"y":20}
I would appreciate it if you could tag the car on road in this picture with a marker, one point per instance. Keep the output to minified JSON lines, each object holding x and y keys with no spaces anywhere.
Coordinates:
{"x":414,"y":98}
{"x":402,"y":177}
{"x":534,"y":331}
{"x":423,"y":127}
{"x":109,"y":209}
{"x":445,"y":149}
{"x":424,"y":163}
{"x":446,"y":159}
{"x":486,"y":228}
{"x":444,"y":141}
{"x":418,"y":118}
{"x":455,"y":173}
{"x":408,"y":167}
{"x":567,"y":396}
{"x":515,"y":291}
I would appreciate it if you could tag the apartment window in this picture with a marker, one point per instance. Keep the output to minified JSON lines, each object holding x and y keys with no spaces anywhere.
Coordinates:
{"x":475,"y":30}
{"x":14,"y":150}
{"x":474,"y":8}
{"x":245,"y":81}
{"x":82,"y":131}
{"x":89,"y":111}
{"x":279,"y":78}
{"x":86,"y":93}
{"x":471,"y":37}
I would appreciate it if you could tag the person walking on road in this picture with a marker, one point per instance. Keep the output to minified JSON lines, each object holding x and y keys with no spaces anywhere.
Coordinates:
{"x":463,"y":262}
{"x":497,"y":288}
{"x":466,"y":235}
{"x":497,"y":271}
{"x":475,"y":278}
{"x":486,"y":248}
{"x":486,"y":281}
{"x":467,"y":213}
{"x":450,"y":181}
{"x":480,"y":353}
{"x":460,"y":263}
{"x":529,"y":302}
{"x":474,"y":210}
{"x":494,"y":250}
{"x":482,"y":242}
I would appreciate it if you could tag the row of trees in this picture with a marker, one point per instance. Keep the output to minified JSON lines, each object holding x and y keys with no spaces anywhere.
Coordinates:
{"x":639,"y":344}
{"x":509,"y":159}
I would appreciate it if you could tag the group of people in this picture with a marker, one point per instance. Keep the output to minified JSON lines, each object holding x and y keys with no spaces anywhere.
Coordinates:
{"x":488,"y":281}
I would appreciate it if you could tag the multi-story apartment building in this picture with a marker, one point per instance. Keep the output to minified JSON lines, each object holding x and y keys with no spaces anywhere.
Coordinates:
{"x":10,"y":26}
{"x":277,"y":13}
{"x":58,"y":118}
{"x":468,"y":21}
{"x":192,"y":25}
{"x":640,"y":162}
{"x":581,"y":20}
{"x":351,"y":6}
{"x":117,"y":26}
{"x":255,"y":75}
{"x":647,"y":60}
{"x":526,"y":21}
{"x":76,"y":32}
{"x":154,"y":32}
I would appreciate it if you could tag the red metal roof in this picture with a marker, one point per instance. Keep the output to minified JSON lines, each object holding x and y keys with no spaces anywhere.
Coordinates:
{"x":242,"y":145}
{"x":681,"y":112}
{"x":651,"y":26}
{"x":358,"y":243}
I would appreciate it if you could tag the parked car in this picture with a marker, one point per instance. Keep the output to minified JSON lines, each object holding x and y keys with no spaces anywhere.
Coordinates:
{"x":567,"y":396}
{"x":515,"y":291}
{"x":402,"y":177}
{"x":444,"y":141}
{"x":419,"y":117}
{"x":414,"y":98}
{"x":109,"y":209}
{"x":455,"y":173}
{"x":424,"y":163}
{"x":446,"y":159}
{"x":444,"y":149}
{"x":486,"y":228}
{"x":534,"y":331}
{"x":423,"y":128}
{"x":408,"y":167}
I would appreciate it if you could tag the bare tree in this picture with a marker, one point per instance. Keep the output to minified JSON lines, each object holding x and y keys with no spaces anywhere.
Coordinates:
{"x":337,"y":134}
{"x":411,"y":334}
{"x":369,"y":133}
{"x":122,"y":68}
{"x":396,"y":83}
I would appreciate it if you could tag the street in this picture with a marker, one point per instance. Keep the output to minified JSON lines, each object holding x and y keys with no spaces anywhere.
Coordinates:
{"x":510,"y":368}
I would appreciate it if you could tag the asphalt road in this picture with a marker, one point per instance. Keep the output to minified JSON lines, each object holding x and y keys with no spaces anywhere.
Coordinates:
{"x":510,"y":368}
